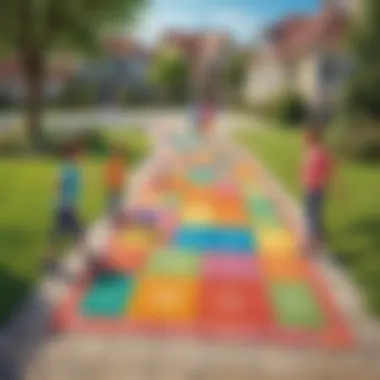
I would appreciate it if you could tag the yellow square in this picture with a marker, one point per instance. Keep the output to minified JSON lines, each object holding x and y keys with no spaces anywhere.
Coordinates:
{"x":277,"y":243}
{"x":198,"y":213}
{"x":164,"y":300}
{"x":135,"y":238}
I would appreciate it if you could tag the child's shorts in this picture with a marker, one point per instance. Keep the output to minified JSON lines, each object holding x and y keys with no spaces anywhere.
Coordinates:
{"x":66,"y":222}
{"x":114,"y":201}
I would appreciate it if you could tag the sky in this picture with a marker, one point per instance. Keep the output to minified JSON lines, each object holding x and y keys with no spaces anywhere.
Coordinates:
{"x":244,"y":19}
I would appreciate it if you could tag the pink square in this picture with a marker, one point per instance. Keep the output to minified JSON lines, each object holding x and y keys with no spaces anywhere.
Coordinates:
{"x":227,"y":188}
{"x":167,"y":223}
{"x":229,"y":266}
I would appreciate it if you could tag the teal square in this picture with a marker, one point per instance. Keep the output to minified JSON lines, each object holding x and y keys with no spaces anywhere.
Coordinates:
{"x":174,"y":263}
{"x":108,"y":296}
{"x":295,"y":305}
{"x":201,"y":175}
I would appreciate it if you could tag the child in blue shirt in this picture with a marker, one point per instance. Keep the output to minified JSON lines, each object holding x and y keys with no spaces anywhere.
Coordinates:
{"x":66,"y":218}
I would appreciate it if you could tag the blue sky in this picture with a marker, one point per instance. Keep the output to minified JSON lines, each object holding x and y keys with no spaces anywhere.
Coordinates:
{"x":243,"y":18}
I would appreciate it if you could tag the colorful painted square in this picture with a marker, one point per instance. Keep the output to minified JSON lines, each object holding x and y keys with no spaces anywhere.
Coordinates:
{"x":261,"y":207}
{"x":198,"y":213}
{"x":266,"y":222}
{"x":173,"y":263}
{"x":201,"y":175}
{"x":129,"y":260}
{"x":229,"y":267}
{"x":108,"y":296}
{"x":234,"y":240}
{"x":215,"y":240}
{"x":132,"y":240}
{"x":283,"y":269}
{"x":164,"y":300}
{"x":295,"y":305}
{"x":233,"y":305}
{"x":231,"y":216}
{"x":277,"y":243}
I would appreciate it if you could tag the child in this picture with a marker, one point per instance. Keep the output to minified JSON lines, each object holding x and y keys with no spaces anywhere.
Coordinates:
{"x":316,"y":174}
{"x":66,"y":219}
{"x":114,"y":179}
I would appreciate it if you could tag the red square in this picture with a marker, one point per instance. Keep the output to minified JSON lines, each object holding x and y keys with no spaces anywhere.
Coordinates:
{"x":234,"y":307}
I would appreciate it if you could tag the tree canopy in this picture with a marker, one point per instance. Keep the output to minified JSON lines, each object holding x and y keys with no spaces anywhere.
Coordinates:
{"x":31,"y":28}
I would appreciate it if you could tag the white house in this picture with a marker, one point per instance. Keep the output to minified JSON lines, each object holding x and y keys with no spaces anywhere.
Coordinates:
{"x":306,"y":54}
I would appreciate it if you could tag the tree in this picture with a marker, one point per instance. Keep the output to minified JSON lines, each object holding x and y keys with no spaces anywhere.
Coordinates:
{"x":32,"y":28}
{"x":359,"y":137}
{"x":363,"y":96}
{"x":236,"y":73}
{"x":170,"y":74}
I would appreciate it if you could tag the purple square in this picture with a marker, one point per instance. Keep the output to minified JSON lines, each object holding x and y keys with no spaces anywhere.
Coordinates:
{"x":229,"y":266}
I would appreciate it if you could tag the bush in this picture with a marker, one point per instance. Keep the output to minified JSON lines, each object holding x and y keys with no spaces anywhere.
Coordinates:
{"x":91,"y":142}
{"x":12,"y":142}
{"x":78,"y":94}
{"x":290,"y":109}
{"x":357,"y":139}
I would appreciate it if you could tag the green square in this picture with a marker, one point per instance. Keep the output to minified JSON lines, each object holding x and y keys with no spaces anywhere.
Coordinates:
{"x":265,"y":221}
{"x":295,"y":305}
{"x":174,"y":263}
{"x":108,"y":296}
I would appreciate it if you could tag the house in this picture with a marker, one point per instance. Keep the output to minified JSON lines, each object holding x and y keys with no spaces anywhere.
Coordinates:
{"x":12,"y":85}
{"x":306,"y":54}
{"x":123,"y":69}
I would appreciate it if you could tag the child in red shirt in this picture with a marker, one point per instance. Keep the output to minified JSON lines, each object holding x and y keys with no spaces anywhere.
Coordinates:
{"x":317,"y":170}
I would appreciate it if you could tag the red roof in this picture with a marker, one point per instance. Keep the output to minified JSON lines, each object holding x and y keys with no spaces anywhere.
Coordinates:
{"x":294,"y":36}
{"x":122,"y":46}
{"x":188,"y":43}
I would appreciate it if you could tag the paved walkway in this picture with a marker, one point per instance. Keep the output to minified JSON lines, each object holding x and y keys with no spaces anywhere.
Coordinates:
{"x":40,"y":356}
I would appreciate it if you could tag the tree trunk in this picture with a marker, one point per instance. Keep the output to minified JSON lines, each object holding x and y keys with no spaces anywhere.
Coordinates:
{"x":34,"y":70}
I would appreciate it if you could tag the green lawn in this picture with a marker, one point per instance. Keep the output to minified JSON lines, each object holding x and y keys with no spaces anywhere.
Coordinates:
{"x":353,"y":217}
{"x":27,"y":196}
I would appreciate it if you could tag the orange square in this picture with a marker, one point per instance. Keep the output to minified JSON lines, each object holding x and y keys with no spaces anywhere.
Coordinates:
{"x":230,"y":210}
{"x":164,"y":300}
{"x":126,"y":260}
{"x":231,"y":216}
{"x":196,"y":194}
{"x":283,"y":269}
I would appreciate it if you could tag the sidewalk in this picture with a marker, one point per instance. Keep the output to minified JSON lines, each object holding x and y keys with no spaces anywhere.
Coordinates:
{"x":82,"y":357}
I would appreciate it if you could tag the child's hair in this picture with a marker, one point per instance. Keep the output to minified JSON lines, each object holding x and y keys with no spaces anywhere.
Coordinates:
{"x":70,"y":150}
{"x":313,"y":135}
{"x":314,"y":129}
{"x":117,"y":149}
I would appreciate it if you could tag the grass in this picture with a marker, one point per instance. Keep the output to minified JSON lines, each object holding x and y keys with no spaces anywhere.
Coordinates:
{"x":27,"y":198}
{"x":352,"y":217}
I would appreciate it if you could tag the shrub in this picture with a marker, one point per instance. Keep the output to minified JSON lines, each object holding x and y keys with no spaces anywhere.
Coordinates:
{"x":78,"y":94}
{"x":357,"y":139}
{"x":12,"y":142}
{"x":290,"y":109}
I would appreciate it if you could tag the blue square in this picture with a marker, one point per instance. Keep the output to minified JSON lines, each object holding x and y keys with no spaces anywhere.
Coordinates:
{"x":235,"y":240}
{"x":215,"y":240}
